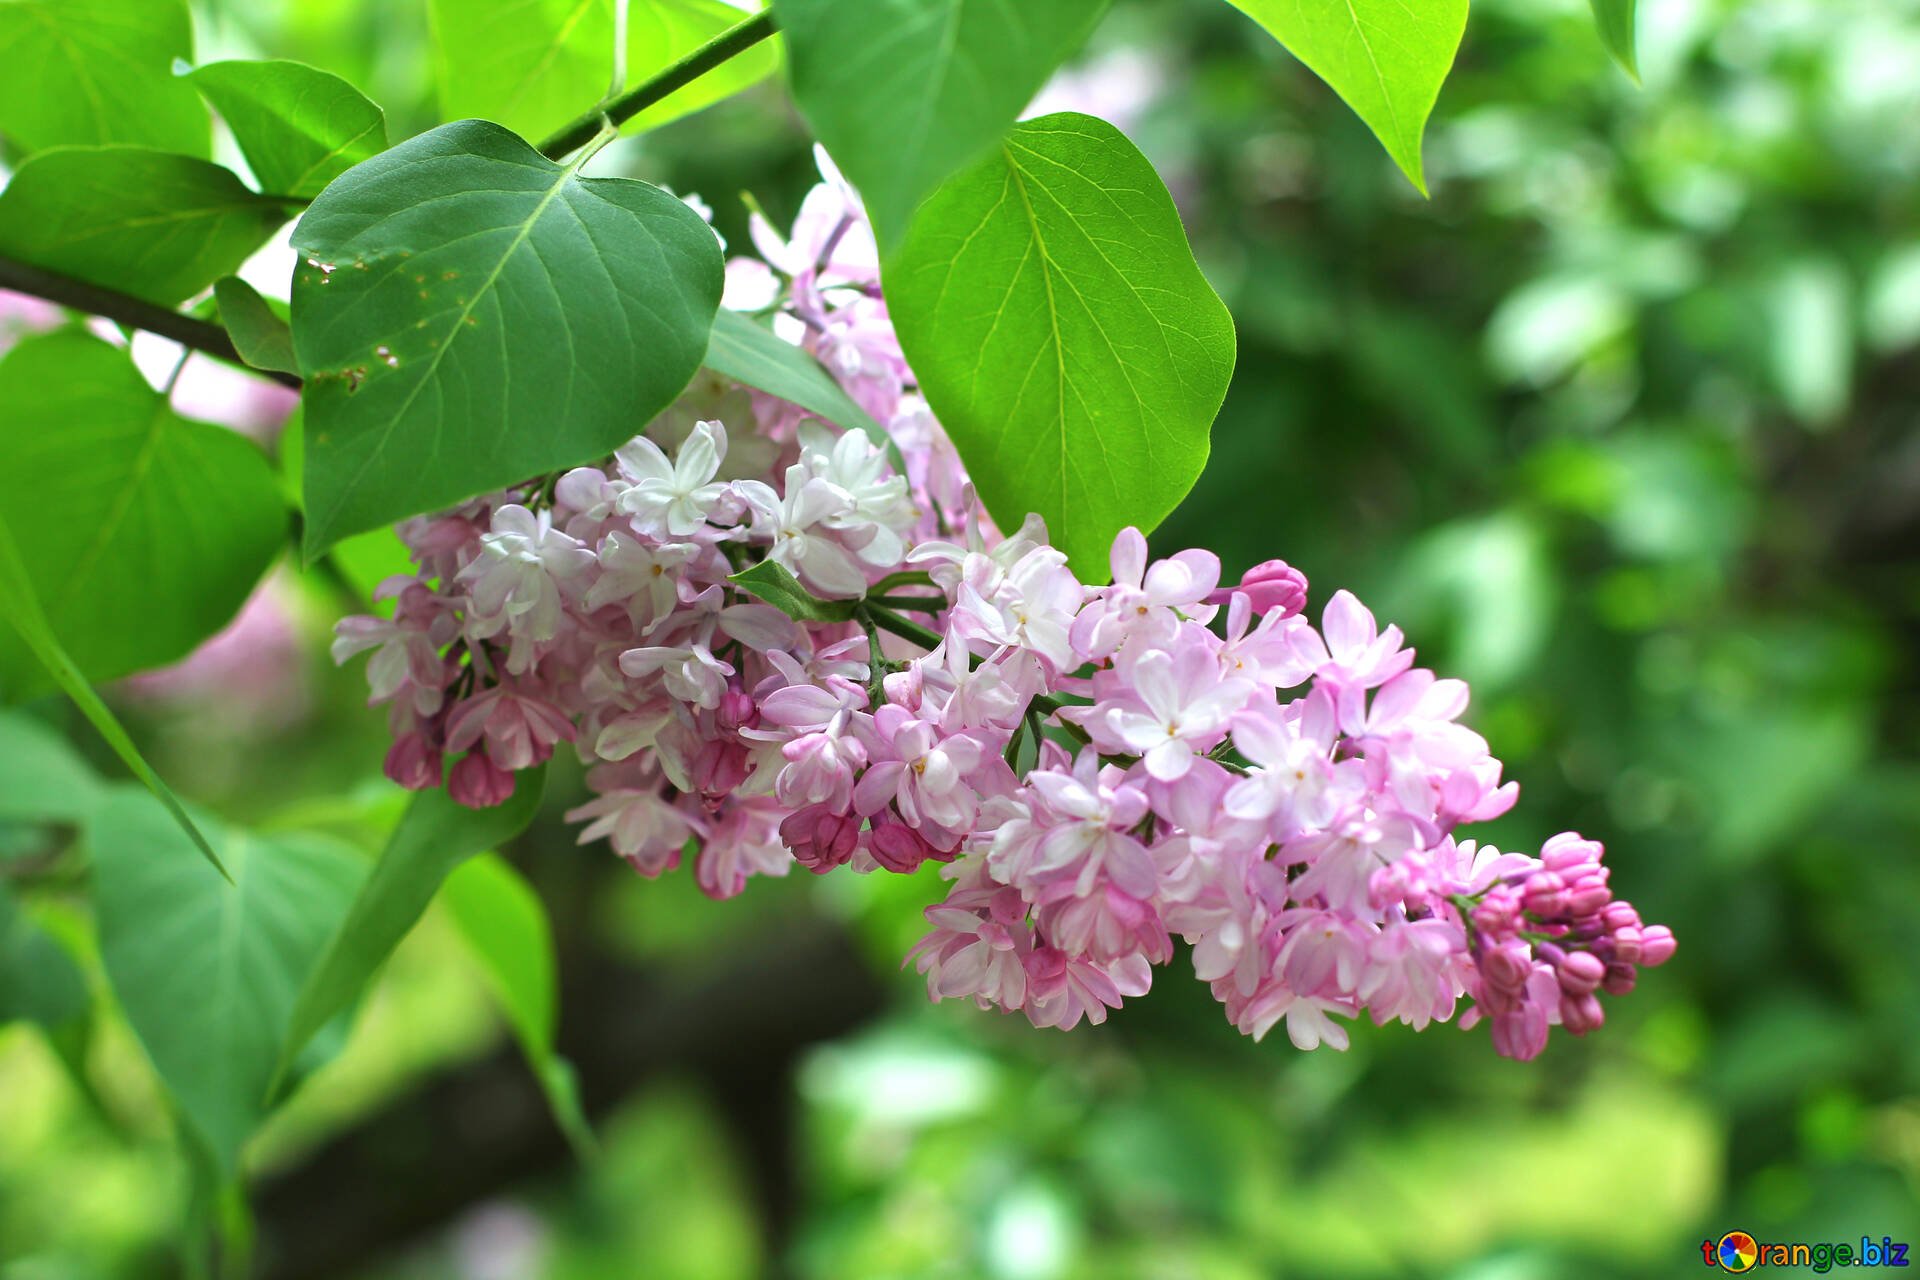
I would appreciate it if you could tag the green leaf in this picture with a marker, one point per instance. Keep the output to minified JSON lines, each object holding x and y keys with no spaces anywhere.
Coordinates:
{"x":1385,"y":58}
{"x":39,"y":982}
{"x":159,"y":226}
{"x":504,"y":925}
{"x":752,"y":353}
{"x":88,"y":72}
{"x":470,"y":314}
{"x":42,"y":778}
{"x":22,"y":610}
{"x":299,"y":127}
{"x":905,"y":92}
{"x":262,"y":338}
{"x":142,"y":533}
{"x":1063,"y":333}
{"x":434,"y":836}
{"x":772,"y":583}
{"x":207,"y":971}
{"x":1615,"y":20}
{"x":534,"y":65}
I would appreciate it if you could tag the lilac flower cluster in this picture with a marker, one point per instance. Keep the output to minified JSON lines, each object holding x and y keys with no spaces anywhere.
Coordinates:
{"x":1101,"y":768}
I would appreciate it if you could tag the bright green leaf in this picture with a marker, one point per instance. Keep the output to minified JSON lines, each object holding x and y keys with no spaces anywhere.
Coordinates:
{"x":207,"y":971}
{"x":141,"y":533}
{"x":1063,"y":333}
{"x":159,"y":226}
{"x":470,"y":314}
{"x":905,"y":92}
{"x":434,"y":836}
{"x":42,"y":778}
{"x":1615,"y":20}
{"x":39,"y":982}
{"x":21,"y":608}
{"x":298,"y":126}
{"x":779,"y":588}
{"x":752,"y":353}
{"x":534,"y":65}
{"x":262,"y":338}
{"x":505,"y":926}
{"x":1385,"y":58}
{"x":88,"y":72}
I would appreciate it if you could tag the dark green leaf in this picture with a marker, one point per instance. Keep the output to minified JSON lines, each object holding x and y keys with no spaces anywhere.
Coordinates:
{"x":1386,"y":58}
{"x":904,"y":92}
{"x":505,"y":926}
{"x":752,"y":353}
{"x":207,"y":971}
{"x":1063,"y":333}
{"x":141,"y":532}
{"x":435,"y":836}
{"x":159,"y":226}
{"x":533,"y":65}
{"x":21,"y":607}
{"x":470,"y":314}
{"x":42,"y":778}
{"x":39,"y":982}
{"x":261,"y":337}
{"x":88,"y":72}
{"x":298,"y":126}
{"x":1615,"y":20}
{"x":773,"y":584}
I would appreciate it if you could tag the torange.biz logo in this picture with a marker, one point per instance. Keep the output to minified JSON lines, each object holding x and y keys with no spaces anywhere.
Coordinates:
{"x":1738,"y":1251}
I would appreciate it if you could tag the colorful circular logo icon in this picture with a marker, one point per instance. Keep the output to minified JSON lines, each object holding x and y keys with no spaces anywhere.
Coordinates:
{"x":1737,"y":1251}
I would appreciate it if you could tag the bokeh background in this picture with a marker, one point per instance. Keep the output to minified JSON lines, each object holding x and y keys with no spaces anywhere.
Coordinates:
{"x":1620,"y":425}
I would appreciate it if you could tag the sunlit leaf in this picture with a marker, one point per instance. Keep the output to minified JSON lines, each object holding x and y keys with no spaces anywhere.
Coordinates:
{"x":1615,"y":20}
{"x":1064,"y":335}
{"x":299,"y":127}
{"x":904,"y":92}
{"x":156,"y":225}
{"x":87,"y":72}
{"x":534,"y":65}
{"x":1386,"y":58}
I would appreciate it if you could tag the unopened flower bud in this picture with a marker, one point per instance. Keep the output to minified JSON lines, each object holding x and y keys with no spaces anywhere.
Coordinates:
{"x":1270,"y":585}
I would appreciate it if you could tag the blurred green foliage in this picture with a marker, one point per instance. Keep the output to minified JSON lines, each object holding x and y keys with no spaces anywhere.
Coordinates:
{"x":1619,"y":425}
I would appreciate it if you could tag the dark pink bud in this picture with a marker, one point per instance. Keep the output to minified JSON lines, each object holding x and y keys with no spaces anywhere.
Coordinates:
{"x":1657,"y":945}
{"x":1587,"y":897}
{"x":1545,"y":895}
{"x":414,"y":763}
{"x":719,"y":768}
{"x":1508,"y":966}
{"x":1520,"y":1033}
{"x":898,"y":847}
{"x":1626,"y":945}
{"x":820,"y":838}
{"x":478,"y":782}
{"x":1579,"y":972}
{"x":1269,"y":586}
{"x":1619,"y":980}
{"x":1581,"y":1014}
{"x":1619,"y":915}
{"x":737,"y":710}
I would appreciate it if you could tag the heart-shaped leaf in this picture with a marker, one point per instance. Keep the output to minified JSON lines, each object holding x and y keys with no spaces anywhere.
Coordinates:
{"x":1386,"y":58}
{"x":468,"y":314}
{"x":207,"y":971}
{"x":141,"y":532}
{"x":1063,"y":333}
{"x":904,"y":92}
{"x":299,"y":127}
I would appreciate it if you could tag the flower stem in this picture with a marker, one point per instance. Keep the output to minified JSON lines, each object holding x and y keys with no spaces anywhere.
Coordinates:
{"x":735,"y":40}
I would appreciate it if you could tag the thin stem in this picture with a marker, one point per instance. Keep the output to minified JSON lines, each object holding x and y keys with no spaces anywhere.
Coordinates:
{"x":919,"y":604}
{"x":129,"y":311}
{"x":735,"y":40}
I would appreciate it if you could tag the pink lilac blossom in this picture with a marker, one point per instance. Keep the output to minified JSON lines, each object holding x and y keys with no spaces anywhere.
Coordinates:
{"x":1100,"y":768}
